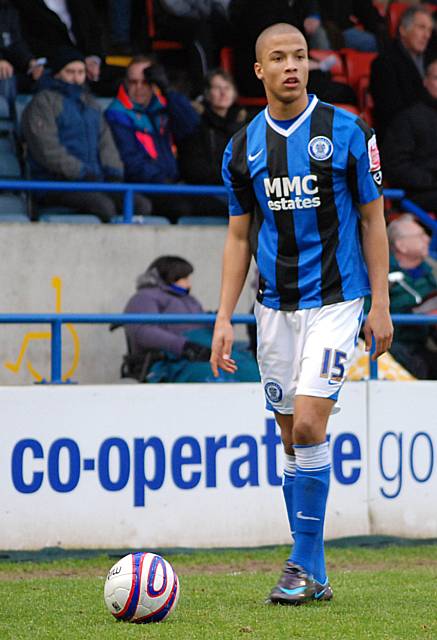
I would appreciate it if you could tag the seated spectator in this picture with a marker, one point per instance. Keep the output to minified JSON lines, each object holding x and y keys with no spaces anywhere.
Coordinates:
{"x":147,"y":120}
{"x":412,"y":281}
{"x":340,"y":20}
{"x":15,"y":55}
{"x":68,"y":139}
{"x":201,"y":154}
{"x":396,"y":80}
{"x":49,"y":25}
{"x":410,"y":147}
{"x":175,"y":352}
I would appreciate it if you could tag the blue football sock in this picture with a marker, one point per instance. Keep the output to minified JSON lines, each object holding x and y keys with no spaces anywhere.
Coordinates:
{"x":287,"y":487}
{"x":311,"y":487}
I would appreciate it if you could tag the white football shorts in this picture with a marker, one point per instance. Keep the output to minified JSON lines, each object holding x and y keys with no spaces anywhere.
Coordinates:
{"x":306,"y":352}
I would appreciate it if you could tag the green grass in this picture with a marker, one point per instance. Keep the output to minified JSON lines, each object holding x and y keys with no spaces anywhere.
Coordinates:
{"x":387,"y":594}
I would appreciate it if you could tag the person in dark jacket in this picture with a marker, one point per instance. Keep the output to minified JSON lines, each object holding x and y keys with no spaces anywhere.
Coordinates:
{"x":340,"y":17}
{"x":15,"y":54}
{"x":149,"y":121}
{"x":201,"y":154}
{"x":396,"y":80}
{"x":410,"y":144}
{"x":68,"y":139}
{"x":412,"y":282}
{"x":180,"y":352}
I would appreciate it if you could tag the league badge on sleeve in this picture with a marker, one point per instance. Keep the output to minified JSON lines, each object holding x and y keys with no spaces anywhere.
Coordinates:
{"x":373,"y":152}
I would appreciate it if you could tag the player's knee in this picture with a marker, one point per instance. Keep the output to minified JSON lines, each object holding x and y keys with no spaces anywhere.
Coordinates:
{"x":305,"y":431}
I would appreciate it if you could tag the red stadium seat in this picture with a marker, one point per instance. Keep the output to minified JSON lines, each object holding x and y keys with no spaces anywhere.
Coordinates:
{"x":394,"y":14}
{"x":158,"y":45}
{"x":227,"y":59}
{"x":358,"y":65}
{"x":338,"y":71}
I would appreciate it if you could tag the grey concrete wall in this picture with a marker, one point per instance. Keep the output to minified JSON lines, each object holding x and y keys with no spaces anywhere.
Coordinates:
{"x":98,"y":266}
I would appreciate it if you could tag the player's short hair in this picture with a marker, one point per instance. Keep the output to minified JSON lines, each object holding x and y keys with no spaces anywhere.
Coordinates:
{"x":409,"y":14}
{"x":279,"y":27}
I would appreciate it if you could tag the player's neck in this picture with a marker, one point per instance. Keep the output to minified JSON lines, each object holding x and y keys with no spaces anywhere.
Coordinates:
{"x":287,"y":110}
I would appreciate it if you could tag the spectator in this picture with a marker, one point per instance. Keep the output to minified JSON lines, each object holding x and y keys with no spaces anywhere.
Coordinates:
{"x":396,"y":80}
{"x":120,"y":13}
{"x":340,"y":19}
{"x":410,"y":147}
{"x":200,"y":155}
{"x":15,"y":55}
{"x":180,"y":352}
{"x":69,"y":139}
{"x":149,"y":122}
{"x":49,"y":25}
{"x":412,"y":280}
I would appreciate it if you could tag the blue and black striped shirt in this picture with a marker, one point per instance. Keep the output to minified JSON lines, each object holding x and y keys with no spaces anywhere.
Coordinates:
{"x":302,"y":186}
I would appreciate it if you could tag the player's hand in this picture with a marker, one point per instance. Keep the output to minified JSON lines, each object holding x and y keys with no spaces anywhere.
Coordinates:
{"x":221,"y":348}
{"x":379,"y":325}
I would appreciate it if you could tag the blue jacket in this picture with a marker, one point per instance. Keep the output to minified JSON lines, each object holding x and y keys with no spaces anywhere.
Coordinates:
{"x":146,"y":136}
{"x":67,"y":135}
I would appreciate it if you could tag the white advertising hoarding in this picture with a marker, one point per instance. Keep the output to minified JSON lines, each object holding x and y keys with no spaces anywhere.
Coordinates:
{"x":402,"y":464}
{"x":161,"y":466}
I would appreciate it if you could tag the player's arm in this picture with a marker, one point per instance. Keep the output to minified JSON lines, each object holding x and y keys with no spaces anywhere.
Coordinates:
{"x":236,"y":261}
{"x":375,"y":246}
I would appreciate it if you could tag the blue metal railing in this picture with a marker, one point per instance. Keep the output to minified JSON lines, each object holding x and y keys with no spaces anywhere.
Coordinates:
{"x":130,"y":189}
{"x":56,"y":320}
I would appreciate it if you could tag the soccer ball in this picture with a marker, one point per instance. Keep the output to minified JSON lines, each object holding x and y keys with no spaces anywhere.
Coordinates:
{"x":141,"y":587}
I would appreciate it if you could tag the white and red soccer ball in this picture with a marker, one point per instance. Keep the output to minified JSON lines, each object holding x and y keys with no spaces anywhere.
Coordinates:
{"x":141,"y":587}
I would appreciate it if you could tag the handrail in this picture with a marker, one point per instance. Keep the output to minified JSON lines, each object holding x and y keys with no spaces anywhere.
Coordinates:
{"x":56,"y":320}
{"x":130,"y":188}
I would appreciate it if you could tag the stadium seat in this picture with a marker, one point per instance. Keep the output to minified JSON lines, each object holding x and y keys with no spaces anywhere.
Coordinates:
{"x":14,"y":217}
{"x":20,"y":104}
{"x":357,"y":65}
{"x":9,"y":165}
{"x":104,"y":102}
{"x":70,"y":218}
{"x":203,"y":220}
{"x":394,"y":13}
{"x":6,"y":144}
{"x":338,"y":71}
{"x":150,"y":220}
{"x":158,"y":45}
{"x":12,"y":204}
{"x":6,"y":122}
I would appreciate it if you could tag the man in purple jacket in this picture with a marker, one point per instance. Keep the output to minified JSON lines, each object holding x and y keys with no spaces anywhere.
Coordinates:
{"x":182,"y":350}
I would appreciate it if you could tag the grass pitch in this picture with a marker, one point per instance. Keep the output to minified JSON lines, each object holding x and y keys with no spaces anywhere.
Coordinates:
{"x":387,"y":593}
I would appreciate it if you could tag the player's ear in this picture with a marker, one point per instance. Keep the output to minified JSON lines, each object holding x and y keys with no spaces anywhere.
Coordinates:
{"x":258,"y":70}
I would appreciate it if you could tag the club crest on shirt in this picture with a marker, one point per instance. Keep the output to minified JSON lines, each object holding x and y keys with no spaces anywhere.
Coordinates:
{"x":320,"y":148}
{"x":273,"y":391}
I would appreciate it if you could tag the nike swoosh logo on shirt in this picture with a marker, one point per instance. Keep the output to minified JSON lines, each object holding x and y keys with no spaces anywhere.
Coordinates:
{"x":254,"y":157}
{"x":302,"y":517}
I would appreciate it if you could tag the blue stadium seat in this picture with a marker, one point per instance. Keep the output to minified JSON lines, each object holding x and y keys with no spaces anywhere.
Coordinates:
{"x":6,"y":144}
{"x":10,"y":204}
{"x":6,"y":123}
{"x":70,"y":218}
{"x":9,"y":165}
{"x":20,"y":104}
{"x":203,"y":220}
{"x":150,"y":220}
{"x":14,"y":217}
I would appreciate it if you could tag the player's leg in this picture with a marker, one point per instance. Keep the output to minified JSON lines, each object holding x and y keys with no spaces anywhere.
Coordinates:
{"x":311,"y":487}
{"x":285,"y":423}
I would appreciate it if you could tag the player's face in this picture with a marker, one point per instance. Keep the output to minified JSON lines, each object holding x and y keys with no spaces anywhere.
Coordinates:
{"x":283,"y":67}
